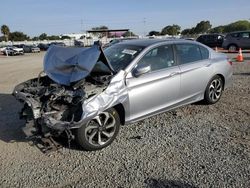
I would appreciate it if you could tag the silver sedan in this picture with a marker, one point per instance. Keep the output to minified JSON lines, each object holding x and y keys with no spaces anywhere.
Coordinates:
{"x":89,"y":93}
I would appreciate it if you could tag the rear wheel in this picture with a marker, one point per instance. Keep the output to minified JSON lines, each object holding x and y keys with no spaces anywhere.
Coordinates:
{"x":100,"y":131}
{"x":232,"y":47}
{"x":214,"y":90}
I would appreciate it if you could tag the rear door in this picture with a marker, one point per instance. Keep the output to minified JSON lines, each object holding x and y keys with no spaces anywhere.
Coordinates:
{"x":195,"y":69}
{"x":244,"y":41}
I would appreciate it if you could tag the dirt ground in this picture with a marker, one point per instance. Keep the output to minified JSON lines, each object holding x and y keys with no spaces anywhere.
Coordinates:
{"x":193,"y":146}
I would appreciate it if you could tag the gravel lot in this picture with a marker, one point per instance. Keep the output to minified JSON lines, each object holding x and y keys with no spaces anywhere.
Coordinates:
{"x":193,"y":146}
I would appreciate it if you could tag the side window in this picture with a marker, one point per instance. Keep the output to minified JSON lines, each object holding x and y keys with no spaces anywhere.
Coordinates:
{"x":245,"y":35}
{"x":235,"y":35}
{"x":188,"y":53}
{"x":204,"y":52}
{"x":158,"y":58}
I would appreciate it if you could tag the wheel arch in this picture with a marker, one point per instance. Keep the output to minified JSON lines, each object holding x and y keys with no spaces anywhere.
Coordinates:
{"x":232,"y":44}
{"x":223,"y":79}
{"x":121,"y":112}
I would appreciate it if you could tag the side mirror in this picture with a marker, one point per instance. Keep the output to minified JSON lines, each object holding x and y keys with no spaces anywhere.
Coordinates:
{"x":141,"y":70}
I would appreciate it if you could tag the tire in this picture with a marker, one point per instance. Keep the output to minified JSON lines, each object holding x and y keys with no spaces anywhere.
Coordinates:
{"x":232,"y":48}
{"x":95,"y":136}
{"x":214,"y":90}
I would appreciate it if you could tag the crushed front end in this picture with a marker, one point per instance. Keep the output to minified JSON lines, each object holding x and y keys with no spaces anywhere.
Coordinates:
{"x":53,"y":101}
{"x":51,"y":108}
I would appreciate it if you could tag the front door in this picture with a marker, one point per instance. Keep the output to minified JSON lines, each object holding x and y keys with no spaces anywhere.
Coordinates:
{"x":157,"y":89}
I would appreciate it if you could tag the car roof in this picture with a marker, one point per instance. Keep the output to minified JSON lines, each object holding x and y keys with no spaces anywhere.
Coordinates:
{"x":212,"y":34}
{"x":239,"y":32}
{"x":149,"y":42}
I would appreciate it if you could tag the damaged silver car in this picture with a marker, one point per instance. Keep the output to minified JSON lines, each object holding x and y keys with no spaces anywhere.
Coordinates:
{"x":88,"y":93}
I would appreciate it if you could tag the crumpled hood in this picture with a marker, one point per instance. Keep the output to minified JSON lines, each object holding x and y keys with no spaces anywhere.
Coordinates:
{"x":65,"y":65}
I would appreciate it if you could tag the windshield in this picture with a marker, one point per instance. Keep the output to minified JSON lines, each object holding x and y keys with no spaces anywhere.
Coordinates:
{"x":120,"y":55}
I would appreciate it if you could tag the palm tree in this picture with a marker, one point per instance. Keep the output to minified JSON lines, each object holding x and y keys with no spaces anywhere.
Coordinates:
{"x":5,"y":31}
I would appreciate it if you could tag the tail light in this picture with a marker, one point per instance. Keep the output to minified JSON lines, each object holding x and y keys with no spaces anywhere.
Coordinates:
{"x":230,"y":62}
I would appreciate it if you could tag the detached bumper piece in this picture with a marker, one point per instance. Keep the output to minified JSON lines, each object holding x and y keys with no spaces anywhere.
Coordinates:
{"x":44,"y":143}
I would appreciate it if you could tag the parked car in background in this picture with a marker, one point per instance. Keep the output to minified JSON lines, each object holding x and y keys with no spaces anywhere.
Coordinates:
{"x":115,"y":41}
{"x":3,"y":48}
{"x":58,"y":43}
{"x":78,"y":43}
{"x":31,"y":49}
{"x":92,"y":92}
{"x":211,"y":40}
{"x":43,"y":47}
{"x":13,"y":51}
{"x":235,"y":40}
{"x":192,"y":39}
{"x":19,"y":45}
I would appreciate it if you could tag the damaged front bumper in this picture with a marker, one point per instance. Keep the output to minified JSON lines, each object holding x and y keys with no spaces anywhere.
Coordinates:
{"x":34,"y":105}
{"x":113,"y":94}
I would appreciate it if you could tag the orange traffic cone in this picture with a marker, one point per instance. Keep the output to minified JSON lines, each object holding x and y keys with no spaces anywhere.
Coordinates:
{"x":240,"y":56}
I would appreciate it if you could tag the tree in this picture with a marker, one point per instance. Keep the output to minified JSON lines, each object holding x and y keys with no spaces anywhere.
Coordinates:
{"x":241,"y":25}
{"x":154,"y":33}
{"x":5,"y":31}
{"x":18,"y":36}
{"x":202,"y":27}
{"x":128,"y":34}
{"x":219,"y":29}
{"x":102,"y":27}
{"x":65,"y":37}
{"x":185,"y":32}
{"x":53,"y":37}
{"x":2,"y":38}
{"x":35,"y":38}
{"x":43,"y":36}
{"x":171,"y":30}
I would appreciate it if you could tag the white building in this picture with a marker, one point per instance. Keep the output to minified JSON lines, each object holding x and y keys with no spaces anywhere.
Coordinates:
{"x":77,"y":35}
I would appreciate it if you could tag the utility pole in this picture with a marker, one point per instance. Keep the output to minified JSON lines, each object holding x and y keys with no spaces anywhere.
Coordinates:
{"x":144,"y":27}
{"x":81,"y":30}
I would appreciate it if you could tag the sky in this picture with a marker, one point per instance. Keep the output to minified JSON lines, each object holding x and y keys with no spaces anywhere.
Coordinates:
{"x":56,"y":17}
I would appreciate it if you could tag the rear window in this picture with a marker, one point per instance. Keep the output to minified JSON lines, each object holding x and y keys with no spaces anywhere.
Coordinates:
{"x":204,"y":52}
{"x":188,"y":53}
{"x":245,"y":35}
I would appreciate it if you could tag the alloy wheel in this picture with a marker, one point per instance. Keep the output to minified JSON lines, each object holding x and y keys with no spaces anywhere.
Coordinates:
{"x":215,"y":90}
{"x":232,"y":48}
{"x":100,"y":129}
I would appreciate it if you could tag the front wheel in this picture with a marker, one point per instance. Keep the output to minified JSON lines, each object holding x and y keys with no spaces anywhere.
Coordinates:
{"x":214,"y":90}
{"x":99,"y":132}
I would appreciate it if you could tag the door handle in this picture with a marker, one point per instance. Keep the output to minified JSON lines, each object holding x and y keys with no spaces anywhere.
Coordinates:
{"x":173,"y":74}
{"x":208,"y":65}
